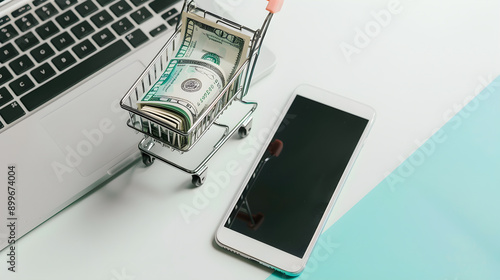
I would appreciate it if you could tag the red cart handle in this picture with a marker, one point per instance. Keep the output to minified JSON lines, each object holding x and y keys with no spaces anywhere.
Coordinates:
{"x":274,"y":6}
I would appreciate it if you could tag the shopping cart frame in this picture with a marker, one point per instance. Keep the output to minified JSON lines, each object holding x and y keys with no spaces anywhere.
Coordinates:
{"x":158,"y":132}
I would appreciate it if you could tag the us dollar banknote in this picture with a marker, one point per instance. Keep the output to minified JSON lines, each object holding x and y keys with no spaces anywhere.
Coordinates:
{"x":184,"y":90}
{"x":207,"y":58}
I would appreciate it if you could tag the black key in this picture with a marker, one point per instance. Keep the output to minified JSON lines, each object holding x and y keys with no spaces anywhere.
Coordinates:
{"x":21,"y":64}
{"x":7,"y":52}
{"x":136,"y":38}
{"x":46,"y":30}
{"x":46,"y":11}
{"x":158,"y":30}
{"x":5,"y":75}
{"x":42,"y":73}
{"x":26,"y":41}
{"x":74,"y":75}
{"x":122,"y":26}
{"x":173,"y":21}
{"x":82,"y":29}
{"x":160,"y":5}
{"x":4,"y":19}
{"x":62,"y":41}
{"x":84,"y":49}
{"x":103,"y":37}
{"x":102,"y":18}
{"x":21,"y":10}
{"x":12,"y":112}
{"x":63,"y":60}
{"x":67,"y":19}
{"x":104,"y":2}
{"x":86,"y":8}
{"x":63,"y":4}
{"x":5,"y":96}
{"x":1,"y":125}
{"x":120,"y":8}
{"x":169,"y":13}
{"x":7,"y":32}
{"x":42,"y":52}
{"x":26,"y":22}
{"x":21,"y":85}
{"x":141,"y":15}
{"x":138,"y":2}
{"x":39,"y":2}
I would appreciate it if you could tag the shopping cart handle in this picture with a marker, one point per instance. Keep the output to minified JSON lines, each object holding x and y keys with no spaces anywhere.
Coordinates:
{"x":274,"y":6}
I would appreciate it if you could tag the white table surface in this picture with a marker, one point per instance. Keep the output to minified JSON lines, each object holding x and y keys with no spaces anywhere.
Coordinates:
{"x":427,"y":61}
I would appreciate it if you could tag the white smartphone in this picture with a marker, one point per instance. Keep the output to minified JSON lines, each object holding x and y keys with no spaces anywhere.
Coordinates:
{"x":286,"y":198}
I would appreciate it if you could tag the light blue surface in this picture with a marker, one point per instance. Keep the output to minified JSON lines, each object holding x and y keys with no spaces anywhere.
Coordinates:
{"x":437,"y":216}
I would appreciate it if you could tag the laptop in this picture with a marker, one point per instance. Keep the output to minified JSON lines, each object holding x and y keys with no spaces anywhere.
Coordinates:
{"x":64,"y":66}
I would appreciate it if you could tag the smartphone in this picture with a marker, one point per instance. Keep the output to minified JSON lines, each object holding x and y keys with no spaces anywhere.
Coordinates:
{"x":286,"y":198}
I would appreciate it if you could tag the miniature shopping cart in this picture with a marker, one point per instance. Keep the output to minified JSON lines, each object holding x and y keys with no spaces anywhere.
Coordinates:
{"x":160,"y":136}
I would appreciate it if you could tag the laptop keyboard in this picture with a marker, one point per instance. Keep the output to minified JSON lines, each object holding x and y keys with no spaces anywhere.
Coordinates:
{"x":48,"y":46}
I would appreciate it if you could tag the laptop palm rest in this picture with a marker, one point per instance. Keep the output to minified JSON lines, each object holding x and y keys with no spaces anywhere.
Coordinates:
{"x":97,"y":132}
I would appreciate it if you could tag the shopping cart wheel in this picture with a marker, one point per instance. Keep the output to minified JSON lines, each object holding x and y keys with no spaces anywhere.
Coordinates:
{"x":147,"y":159}
{"x":197,"y":180}
{"x":245,"y":128}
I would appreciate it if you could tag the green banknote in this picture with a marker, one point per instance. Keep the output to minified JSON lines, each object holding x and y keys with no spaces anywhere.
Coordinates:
{"x":207,"y":58}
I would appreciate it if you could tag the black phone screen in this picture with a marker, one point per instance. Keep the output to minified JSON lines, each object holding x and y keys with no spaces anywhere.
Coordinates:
{"x":284,"y":200}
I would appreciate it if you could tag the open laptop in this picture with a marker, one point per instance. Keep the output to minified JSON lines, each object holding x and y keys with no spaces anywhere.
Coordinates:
{"x":64,"y":66}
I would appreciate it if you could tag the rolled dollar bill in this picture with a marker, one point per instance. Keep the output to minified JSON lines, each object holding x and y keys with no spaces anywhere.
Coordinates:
{"x":186,"y":88}
{"x":208,"y":57}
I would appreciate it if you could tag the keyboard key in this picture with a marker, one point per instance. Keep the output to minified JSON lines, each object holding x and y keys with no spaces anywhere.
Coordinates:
{"x":82,"y":29}
{"x":74,"y":75}
{"x":138,"y":2}
{"x":5,"y":75}
{"x":4,"y":19}
{"x":161,"y":5}
{"x":86,"y":8}
{"x":63,"y":4}
{"x":104,"y":2}
{"x":42,"y":52}
{"x":103,"y":37}
{"x":173,"y":21}
{"x":141,"y":15}
{"x":7,"y":52}
{"x":47,"y":30}
{"x":63,"y":60}
{"x":38,"y":2}
{"x":7,"y":32}
{"x":102,"y":18}
{"x":120,"y":8}
{"x":42,"y":73}
{"x":158,"y":30}
{"x":62,"y":41}
{"x":136,"y":38}
{"x":46,"y":11}
{"x":26,"y":22}
{"x":122,"y":26}
{"x":169,"y":13}
{"x":21,"y":85}
{"x":12,"y":112}
{"x":21,"y":64}
{"x":26,"y":41}
{"x":67,"y":19}
{"x":5,"y":96}
{"x":21,"y":10}
{"x":84,"y":49}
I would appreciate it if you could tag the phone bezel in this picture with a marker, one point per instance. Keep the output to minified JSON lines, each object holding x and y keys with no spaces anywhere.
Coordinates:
{"x":264,"y":253}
